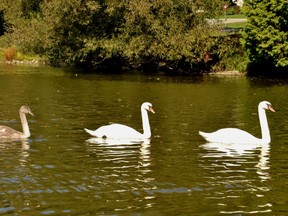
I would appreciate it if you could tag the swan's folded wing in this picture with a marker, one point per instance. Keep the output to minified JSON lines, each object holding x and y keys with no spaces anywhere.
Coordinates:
{"x":230,"y":135}
{"x":116,"y":131}
{"x":7,"y":132}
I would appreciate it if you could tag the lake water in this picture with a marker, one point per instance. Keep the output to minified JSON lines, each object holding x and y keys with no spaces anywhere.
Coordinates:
{"x":59,"y":170}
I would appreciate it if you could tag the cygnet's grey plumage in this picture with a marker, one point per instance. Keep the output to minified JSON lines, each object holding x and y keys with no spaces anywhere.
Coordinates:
{"x":10,"y":133}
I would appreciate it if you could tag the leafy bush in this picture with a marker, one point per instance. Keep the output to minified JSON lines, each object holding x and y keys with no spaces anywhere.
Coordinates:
{"x":229,"y":54}
{"x":266,"y":36}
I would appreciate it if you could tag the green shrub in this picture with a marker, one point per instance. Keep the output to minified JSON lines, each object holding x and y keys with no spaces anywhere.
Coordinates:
{"x":265,"y":36}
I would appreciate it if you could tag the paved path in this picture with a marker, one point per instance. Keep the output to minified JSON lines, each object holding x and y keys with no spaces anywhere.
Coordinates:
{"x":213,"y":21}
{"x":234,"y":20}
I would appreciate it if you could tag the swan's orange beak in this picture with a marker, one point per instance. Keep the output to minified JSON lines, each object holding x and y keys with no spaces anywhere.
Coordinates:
{"x":271,"y":108}
{"x":151,"y":110}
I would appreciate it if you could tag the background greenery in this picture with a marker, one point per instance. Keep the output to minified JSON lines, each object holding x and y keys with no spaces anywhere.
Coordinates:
{"x":169,"y":35}
{"x":265,"y":37}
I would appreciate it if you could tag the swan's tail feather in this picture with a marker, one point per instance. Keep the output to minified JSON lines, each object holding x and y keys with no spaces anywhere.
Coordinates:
{"x":91,"y":132}
{"x":203,"y":134}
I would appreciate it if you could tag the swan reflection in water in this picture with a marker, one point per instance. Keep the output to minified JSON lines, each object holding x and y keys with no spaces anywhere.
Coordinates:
{"x":122,"y":148}
{"x":124,"y":163}
{"x":17,"y":152}
{"x":231,"y":166}
{"x":112,"y":141}
{"x":242,"y":152}
{"x":13,"y":144}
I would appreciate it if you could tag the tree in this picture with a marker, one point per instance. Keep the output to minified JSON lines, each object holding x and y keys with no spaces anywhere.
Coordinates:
{"x":80,"y":32}
{"x":23,"y":25}
{"x":165,"y":33}
{"x":266,"y":35}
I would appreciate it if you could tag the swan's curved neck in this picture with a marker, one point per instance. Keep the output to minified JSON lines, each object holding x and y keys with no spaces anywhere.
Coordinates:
{"x":264,"y":125}
{"x":25,"y":126}
{"x":145,"y":123}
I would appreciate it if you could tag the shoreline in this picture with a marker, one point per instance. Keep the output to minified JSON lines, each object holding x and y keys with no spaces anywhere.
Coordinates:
{"x":227,"y":73}
{"x":35,"y":62}
{"x":24,"y":62}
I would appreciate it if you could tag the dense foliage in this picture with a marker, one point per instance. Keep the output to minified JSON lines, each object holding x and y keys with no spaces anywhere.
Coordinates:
{"x":160,"y":34}
{"x":266,"y":35}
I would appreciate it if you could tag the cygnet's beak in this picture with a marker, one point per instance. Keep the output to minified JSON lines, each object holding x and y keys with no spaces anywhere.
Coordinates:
{"x":30,"y":112}
{"x":151,"y":110}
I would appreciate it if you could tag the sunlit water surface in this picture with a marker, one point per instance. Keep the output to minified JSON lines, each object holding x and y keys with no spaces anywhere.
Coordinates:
{"x":60,"y":170}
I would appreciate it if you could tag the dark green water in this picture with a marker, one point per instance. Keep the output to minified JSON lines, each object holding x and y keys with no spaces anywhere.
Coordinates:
{"x":57,"y":171}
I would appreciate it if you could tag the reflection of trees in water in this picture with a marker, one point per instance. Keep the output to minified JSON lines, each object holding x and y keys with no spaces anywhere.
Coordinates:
{"x":233,"y":166}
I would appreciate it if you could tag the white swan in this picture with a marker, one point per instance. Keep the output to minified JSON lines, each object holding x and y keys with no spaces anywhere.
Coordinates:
{"x":234,"y":135}
{"x":119,"y":131}
{"x":10,"y":133}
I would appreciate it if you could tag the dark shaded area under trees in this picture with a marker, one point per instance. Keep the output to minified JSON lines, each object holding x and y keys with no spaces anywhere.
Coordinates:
{"x":2,"y":23}
{"x":30,"y":7}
